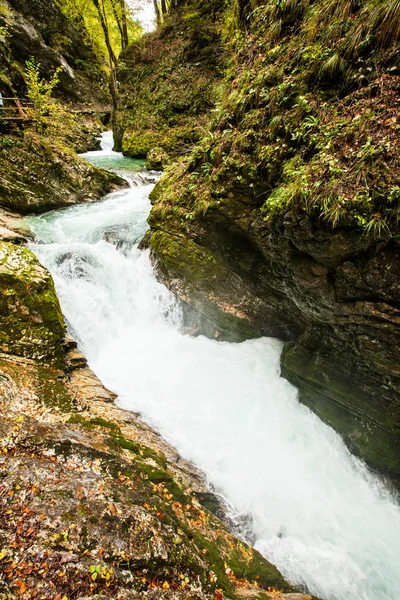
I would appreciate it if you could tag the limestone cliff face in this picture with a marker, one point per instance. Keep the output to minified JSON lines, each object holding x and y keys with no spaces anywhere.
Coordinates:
{"x":283,"y":220}
{"x":39,"y":169}
{"x":40,"y":29}
{"x":333,"y":295}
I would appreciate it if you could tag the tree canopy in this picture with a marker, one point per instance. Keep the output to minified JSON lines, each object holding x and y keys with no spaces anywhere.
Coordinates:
{"x":109,"y":23}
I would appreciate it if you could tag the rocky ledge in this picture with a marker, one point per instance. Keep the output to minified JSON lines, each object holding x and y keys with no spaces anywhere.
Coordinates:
{"x":93,"y":503}
{"x":332,"y":294}
{"x":37,"y":174}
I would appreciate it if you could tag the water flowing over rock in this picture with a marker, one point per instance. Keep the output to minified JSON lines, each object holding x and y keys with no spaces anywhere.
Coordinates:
{"x":333,"y":294}
{"x":292,"y":487}
{"x":93,"y":502}
{"x":283,"y":219}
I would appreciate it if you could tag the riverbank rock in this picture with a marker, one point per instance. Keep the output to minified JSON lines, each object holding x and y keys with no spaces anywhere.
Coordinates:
{"x":11,"y":229}
{"x":95,"y":504}
{"x":31,"y":322}
{"x":39,"y":174}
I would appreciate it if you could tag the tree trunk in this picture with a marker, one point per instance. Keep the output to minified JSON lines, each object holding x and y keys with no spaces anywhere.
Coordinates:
{"x":111,"y":55}
{"x":125,"y":39}
{"x":157,"y":11}
{"x":119,"y":22}
{"x":106,"y":33}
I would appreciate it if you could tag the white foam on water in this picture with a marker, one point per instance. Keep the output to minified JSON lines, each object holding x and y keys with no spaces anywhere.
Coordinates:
{"x":315,"y":510}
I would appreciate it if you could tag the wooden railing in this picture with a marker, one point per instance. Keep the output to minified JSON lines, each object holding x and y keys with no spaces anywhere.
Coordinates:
{"x":16,"y":109}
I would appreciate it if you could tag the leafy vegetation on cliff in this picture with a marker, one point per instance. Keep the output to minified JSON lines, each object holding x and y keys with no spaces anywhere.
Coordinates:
{"x":169,"y":82}
{"x":309,"y":120}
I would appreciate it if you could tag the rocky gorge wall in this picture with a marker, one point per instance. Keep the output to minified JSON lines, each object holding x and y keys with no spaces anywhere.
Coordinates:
{"x":331,"y":295}
{"x":168,"y":84}
{"x":40,"y":29}
{"x":38,"y":173}
{"x":283,"y":220}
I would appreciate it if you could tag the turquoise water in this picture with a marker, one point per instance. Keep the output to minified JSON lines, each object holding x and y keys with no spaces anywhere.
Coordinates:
{"x":115,"y":161}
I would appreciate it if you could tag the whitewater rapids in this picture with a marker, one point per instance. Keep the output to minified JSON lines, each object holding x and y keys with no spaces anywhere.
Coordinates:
{"x":313,"y":509}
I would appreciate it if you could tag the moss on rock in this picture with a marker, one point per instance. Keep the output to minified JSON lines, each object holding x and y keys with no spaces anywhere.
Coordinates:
{"x":172,"y":75}
{"x":31,"y":321}
{"x":156,"y":159}
{"x":191,"y":271}
{"x":39,"y":174}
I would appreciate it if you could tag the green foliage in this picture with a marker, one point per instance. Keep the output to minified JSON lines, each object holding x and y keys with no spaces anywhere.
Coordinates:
{"x":101,"y":572}
{"x":53,"y":119}
{"x":4,"y":33}
{"x":308,"y":122}
{"x":86,"y":10}
{"x":174,"y":76}
{"x":40,"y":90}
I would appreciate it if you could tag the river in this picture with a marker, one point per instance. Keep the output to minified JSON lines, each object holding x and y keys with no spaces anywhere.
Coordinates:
{"x":309,"y":506}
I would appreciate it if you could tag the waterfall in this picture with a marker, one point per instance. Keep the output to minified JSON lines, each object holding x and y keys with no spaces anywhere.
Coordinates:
{"x":312,"y":508}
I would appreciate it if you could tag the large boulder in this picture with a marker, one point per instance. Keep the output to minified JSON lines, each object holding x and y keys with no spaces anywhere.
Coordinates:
{"x":38,"y":174}
{"x":31,"y":321}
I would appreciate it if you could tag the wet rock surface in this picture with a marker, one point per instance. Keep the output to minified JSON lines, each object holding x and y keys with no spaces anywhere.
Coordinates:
{"x":11,"y":229}
{"x":333,"y":295}
{"x":37,"y":175}
{"x":31,"y":322}
{"x":94,"y":504}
